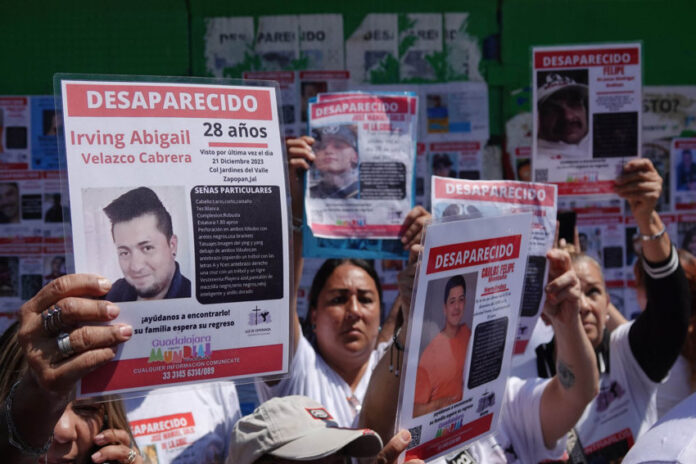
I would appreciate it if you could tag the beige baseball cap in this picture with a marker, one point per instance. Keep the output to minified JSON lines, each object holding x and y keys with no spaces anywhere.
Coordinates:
{"x":297,"y":428}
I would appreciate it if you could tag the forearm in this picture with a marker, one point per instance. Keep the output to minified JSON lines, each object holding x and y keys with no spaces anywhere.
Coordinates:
{"x":378,"y":411}
{"x":575,"y":384}
{"x":653,"y":250}
{"x":34,"y":413}
{"x":664,"y":322}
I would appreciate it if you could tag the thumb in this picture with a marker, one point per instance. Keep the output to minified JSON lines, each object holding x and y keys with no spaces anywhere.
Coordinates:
{"x":397,"y":445}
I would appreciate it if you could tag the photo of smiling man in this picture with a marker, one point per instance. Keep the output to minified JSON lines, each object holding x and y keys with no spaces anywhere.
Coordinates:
{"x":562,"y":109}
{"x":334,"y":173}
{"x":440,"y":376}
{"x":146,"y":246}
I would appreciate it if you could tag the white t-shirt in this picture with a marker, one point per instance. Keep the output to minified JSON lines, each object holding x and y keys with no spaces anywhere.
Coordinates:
{"x":184,"y":425}
{"x":518,"y":438}
{"x":675,"y":387}
{"x":625,"y":406}
{"x":311,"y":376}
{"x":671,"y":440}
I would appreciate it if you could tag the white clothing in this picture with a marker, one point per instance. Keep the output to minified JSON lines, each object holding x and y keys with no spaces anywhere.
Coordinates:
{"x":524,"y":365}
{"x":311,"y":376}
{"x":518,"y":438}
{"x":184,"y":425}
{"x":671,"y":440}
{"x":625,"y":406}
{"x":580,"y":150}
{"x":675,"y":387}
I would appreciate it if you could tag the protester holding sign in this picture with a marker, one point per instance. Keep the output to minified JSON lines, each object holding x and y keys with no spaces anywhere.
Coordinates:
{"x":344,"y":311}
{"x":39,"y":374}
{"x":636,"y":357}
{"x":535,"y":414}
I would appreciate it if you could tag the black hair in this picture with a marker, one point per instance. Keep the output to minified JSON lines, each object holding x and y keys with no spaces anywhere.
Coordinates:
{"x":454,"y":281}
{"x":330,"y":266}
{"x":136,"y":203}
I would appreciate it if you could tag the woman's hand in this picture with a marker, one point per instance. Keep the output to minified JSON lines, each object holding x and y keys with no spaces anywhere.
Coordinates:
{"x":641,"y":185}
{"x":412,"y":227}
{"x":563,"y":291}
{"x":397,"y":445}
{"x":58,"y":371}
{"x":300,"y":158}
{"x":116,"y":446}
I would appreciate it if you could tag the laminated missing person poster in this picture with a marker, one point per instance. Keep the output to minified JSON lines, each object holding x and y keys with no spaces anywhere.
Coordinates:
{"x":361,"y":182}
{"x":460,"y":336}
{"x":587,"y":114}
{"x":178,"y":196}
{"x":472,"y":199}
{"x":683,"y":180}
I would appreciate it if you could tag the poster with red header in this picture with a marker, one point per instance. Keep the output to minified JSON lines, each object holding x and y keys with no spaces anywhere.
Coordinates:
{"x":178,"y":196}
{"x":586,"y":113}
{"x":461,"y":330}
{"x":472,"y":199}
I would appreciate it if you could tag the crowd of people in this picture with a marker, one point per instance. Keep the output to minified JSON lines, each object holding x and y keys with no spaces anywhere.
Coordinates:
{"x":602,"y":382}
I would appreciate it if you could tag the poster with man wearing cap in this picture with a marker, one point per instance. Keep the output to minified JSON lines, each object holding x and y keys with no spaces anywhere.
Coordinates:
{"x":361,"y":182}
{"x":586,"y":113}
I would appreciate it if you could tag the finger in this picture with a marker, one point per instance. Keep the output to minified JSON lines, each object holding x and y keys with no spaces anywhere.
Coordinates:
{"x":62,"y":377}
{"x":555,"y":235}
{"x":91,"y":337}
{"x":301,"y":152}
{"x":308,"y":139}
{"x":576,"y":239}
{"x":411,"y":217}
{"x":118,"y":453}
{"x":559,"y":262}
{"x":76,"y":310}
{"x":632,"y":176}
{"x":397,"y":445}
{"x":65,"y":286}
{"x":413,"y":234}
{"x":638,"y":164}
{"x":638,"y":188}
{"x":570,"y":293}
{"x":113,"y":437}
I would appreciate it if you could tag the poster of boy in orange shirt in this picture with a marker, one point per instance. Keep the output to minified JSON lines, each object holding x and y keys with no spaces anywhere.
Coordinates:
{"x":440,"y":375}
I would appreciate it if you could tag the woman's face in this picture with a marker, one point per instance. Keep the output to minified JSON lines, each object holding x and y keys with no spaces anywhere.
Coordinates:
{"x":594,"y":301}
{"x":73,"y":434}
{"x":346,"y":317}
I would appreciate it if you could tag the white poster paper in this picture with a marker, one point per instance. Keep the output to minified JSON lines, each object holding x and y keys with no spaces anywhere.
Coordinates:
{"x":178,"y":196}
{"x":229,"y":43}
{"x":462,"y":323}
{"x":587,"y":114}
{"x":472,"y":199}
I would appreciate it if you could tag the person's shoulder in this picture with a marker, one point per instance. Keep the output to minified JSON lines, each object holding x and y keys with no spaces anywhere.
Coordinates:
{"x":120,"y":291}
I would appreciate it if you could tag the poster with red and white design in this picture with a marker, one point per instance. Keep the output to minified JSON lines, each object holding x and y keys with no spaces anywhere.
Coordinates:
{"x":683,"y":180}
{"x":472,"y":199}
{"x":586,"y":113}
{"x":461,"y":329}
{"x":361,"y":182}
{"x":178,"y":195}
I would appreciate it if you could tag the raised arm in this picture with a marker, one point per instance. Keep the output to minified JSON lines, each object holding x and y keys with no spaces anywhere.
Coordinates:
{"x":44,"y":390}
{"x":577,"y":379}
{"x":300,"y":155}
{"x":378,"y":410}
{"x":657,"y":335}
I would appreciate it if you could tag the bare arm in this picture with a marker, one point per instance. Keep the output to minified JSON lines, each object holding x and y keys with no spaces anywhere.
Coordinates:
{"x":378,"y":411}
{"x":300,"y":156}
{"x":577,"y":379}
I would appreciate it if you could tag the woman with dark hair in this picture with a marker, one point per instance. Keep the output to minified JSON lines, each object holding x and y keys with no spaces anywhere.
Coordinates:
{"x":37,"y":376}
{"x":344,"y":313}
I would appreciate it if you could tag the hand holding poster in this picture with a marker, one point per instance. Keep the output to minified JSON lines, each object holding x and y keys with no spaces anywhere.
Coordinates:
{"x":361,"y":182}
{"x":178,"y":196}
{"x":473,"y":199}
{"x":463,"y":318}
{"x":587,"y":114}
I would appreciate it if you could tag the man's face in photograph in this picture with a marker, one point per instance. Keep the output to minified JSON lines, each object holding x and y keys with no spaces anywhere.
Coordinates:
{"x":146,"y":257}
{"x":9,"y":202}
{"x":563,"y":117}
{"x":335,"y":155}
